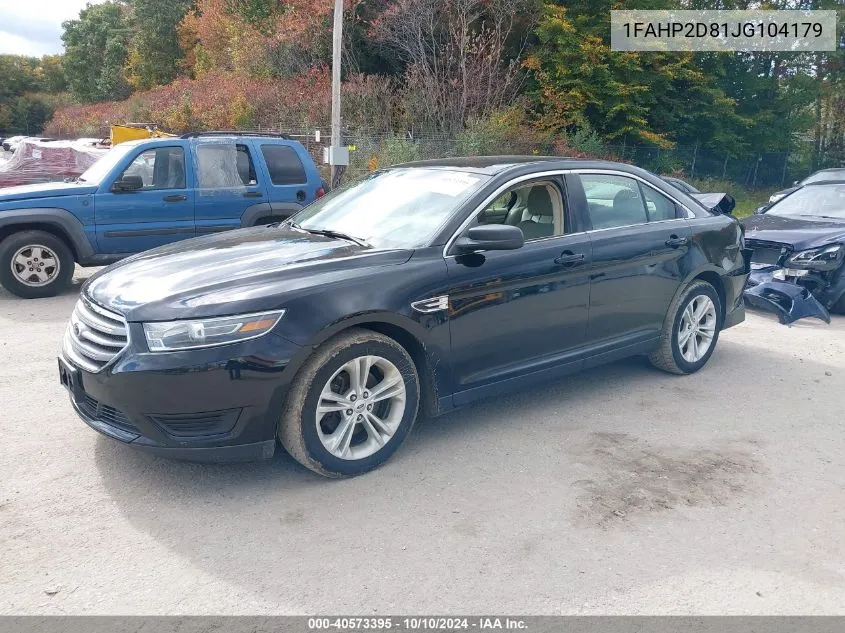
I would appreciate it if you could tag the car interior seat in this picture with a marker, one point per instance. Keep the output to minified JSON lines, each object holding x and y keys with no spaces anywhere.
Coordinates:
{"x":538,"y":218}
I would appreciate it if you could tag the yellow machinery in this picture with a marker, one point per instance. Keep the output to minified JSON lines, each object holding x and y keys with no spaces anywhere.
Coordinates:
{"x":135,"y":131}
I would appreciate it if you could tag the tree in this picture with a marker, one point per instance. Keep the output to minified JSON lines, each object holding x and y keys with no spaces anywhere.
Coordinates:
{"x":155,"y":53}
{"x":96,"y":51}
{"x":658,"y":98}
{"x":455,"y":56}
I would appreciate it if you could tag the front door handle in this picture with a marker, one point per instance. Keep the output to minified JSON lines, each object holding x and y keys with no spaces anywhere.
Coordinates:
{"x":675,"y":242}
{"x":568,"y":258}
{"x":176,"y":198}
{"x":253,"y":194}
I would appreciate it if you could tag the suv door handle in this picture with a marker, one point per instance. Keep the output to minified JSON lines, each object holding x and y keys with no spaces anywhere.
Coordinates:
{"x":175,"y":198}
{"x":253,"y":194}
{"x":674,"y":241}
{"x":568,"y":258}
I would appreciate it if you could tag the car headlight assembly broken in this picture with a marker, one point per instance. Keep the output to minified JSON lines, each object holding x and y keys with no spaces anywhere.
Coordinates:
{"x":824,"y":258}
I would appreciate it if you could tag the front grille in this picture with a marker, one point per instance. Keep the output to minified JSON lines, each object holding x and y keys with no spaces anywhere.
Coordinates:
{"x":765,"y":252}
{"x":94,"y":336}
{"x":100,"y":412}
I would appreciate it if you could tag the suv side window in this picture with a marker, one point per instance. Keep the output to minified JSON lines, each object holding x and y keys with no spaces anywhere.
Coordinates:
{"x":658,"y":206}
{"x":613,"y":200}
{"x":535,"y":207}
{"x":159,"y":168}
{"x":284,"y":165}
{"x":224,"y":166}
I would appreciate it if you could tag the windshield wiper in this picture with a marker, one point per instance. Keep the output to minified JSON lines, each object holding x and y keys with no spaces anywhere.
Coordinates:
{"x":331,"y":233}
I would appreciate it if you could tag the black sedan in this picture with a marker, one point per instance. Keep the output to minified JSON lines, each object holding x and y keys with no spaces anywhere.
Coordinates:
{"x":798,"y":252}
{"x":419,"y":289}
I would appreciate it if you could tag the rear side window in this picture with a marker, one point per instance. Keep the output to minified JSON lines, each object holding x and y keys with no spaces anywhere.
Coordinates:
{"x":224,"y":166}
{"x":284,"y":165}
{"x":613,"y":201}
{"x":658,"y":206}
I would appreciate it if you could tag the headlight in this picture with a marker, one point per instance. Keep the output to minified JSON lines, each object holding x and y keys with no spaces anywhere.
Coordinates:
{"x":169,"y":336}
{"x":824,"y":258}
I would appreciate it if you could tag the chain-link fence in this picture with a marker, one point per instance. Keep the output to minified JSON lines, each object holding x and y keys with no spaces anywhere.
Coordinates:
{"x":750,"y":170}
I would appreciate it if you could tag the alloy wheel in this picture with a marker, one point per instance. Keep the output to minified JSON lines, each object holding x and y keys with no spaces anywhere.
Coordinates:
{"x":697,"y":328}
{"x":35,"y":265}
{"x":360,"y":407}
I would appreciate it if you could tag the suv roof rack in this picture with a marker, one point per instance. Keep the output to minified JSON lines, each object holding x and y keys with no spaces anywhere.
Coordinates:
{"x":235,"y":133}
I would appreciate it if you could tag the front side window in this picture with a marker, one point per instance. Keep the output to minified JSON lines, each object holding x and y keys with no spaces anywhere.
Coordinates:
{"x":536,"y":208}
{"x":613,"y":201}
{"x":159,"y":168}
{"x":396,"y":208}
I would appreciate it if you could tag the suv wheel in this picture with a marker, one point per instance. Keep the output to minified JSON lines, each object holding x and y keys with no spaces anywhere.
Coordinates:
{"x":691,"y":331}
{"x":35,"y":264}
{"x":351,"y":405}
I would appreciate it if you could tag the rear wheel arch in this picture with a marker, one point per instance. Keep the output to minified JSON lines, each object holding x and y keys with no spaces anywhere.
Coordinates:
{"x":714,"y":279}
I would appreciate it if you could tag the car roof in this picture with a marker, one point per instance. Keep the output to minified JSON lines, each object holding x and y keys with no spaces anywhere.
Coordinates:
{"x":495,"y":165}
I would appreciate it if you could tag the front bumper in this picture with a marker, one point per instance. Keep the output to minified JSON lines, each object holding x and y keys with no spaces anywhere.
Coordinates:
{"x":215,"y":404}
{"x":790,"y":299}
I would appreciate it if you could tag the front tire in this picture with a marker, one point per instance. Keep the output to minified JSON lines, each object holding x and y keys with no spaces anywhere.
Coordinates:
{"x":35,"y":264}
{"x":691,"y":331}
{"x":351,"y":405}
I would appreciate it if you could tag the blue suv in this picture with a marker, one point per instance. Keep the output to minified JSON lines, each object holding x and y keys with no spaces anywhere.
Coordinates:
{"x":148,"y":193}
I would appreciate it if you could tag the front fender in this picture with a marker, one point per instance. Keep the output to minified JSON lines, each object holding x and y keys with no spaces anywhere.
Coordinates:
{"x":57,"y":218}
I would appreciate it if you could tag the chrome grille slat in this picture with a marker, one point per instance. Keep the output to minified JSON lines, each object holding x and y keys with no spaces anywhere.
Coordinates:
{"x":96,"y":320}
{"x":94,"y":337}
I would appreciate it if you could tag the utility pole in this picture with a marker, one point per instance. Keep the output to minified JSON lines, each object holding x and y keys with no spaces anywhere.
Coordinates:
{"x":336,"y":156}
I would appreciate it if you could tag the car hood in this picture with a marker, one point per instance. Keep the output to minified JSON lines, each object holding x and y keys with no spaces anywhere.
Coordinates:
{"x":247,"y":270}
{"x":44,"y":190}
{"x":798,"y":232}
{"x":784,"y":192}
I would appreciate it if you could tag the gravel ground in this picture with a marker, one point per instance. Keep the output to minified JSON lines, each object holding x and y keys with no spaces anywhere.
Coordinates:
{"x":621,"y":490}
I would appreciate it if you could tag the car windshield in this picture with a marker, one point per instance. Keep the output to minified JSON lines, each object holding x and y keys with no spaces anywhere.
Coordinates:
{"x":397,"y":208}
{"x":95,"y":173}
{"x":822,"y":201}
{"x":826,"y":175}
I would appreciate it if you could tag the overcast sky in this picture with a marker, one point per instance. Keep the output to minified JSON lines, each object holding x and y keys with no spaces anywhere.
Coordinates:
{"x":34,"y":27}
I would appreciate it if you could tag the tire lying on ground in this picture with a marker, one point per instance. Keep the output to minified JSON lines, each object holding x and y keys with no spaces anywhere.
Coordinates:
{"x":351,"y":405}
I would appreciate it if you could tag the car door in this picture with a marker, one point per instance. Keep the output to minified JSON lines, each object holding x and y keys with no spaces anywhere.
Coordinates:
{"x":639,"y":237}
{"x":161,"y":211}
{"x":228,"y":183}
{"x":515,"y":313}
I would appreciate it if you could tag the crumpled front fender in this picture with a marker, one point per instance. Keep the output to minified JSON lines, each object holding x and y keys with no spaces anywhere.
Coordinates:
{"x":788,"y":301}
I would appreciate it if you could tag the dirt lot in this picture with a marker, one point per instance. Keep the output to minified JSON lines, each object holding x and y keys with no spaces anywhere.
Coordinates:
{"x":622,"y":490}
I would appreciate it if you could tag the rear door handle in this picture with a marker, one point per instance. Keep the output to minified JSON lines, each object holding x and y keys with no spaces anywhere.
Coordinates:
{"x":568,"y":258}
{"x":175,"y":198}
{"x":675,"y":242}
{"x":253,"y":194}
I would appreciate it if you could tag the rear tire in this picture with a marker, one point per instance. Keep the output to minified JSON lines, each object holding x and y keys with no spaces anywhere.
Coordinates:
{"x":340,"y":425}
{"x":35,"y":264}
{"x":691,"y":330}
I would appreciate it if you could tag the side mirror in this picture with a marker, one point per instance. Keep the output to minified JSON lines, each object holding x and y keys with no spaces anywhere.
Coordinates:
{"x":128,"y":183}
{"x":491,"y":237}
{"x":795,"y":183}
